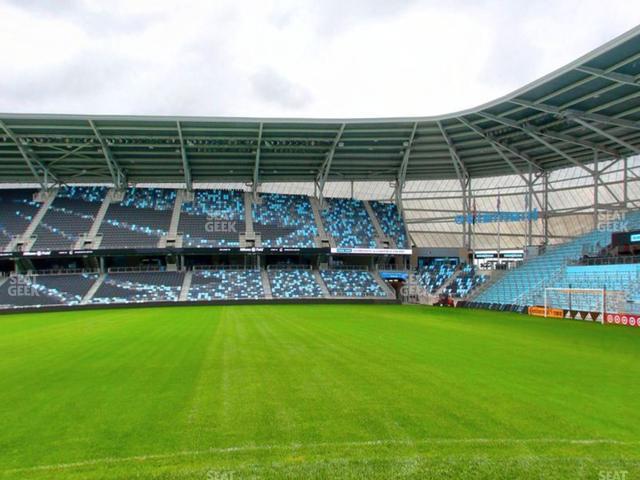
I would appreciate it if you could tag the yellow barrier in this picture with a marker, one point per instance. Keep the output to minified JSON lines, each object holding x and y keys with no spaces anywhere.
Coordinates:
{"x":550,"y":312}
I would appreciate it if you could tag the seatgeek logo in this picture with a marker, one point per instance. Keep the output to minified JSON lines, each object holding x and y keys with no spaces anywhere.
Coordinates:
{"x":613,"y":222}
{"x":220,"y":225}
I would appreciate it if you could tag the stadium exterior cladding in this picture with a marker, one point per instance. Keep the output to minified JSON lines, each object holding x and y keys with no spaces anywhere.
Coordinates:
{"x":588,"y":108}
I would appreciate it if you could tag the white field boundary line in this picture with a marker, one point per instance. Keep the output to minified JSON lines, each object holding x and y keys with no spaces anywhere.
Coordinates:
{"x":297,"y":446}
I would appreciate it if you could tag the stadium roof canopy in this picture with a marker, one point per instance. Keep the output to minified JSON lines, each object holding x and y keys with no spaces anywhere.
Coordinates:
{"x":590,"y":106}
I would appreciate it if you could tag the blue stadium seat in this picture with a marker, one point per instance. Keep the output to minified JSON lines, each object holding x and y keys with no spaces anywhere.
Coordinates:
{"x":139,"y":220}
{"x":391,"y":222}
{"x":525,"y":285}
{"x":225,"y":284}
{"x":348,"y":222}
{"x":139,"y":287}
{"x":215,"y":218}
{"x":285,"y":221}
{"x":351,"y":283}
{"x":70,"y":215}
{"x":294,"y":283}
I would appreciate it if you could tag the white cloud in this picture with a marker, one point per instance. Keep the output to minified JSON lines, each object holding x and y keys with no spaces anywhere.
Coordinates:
{"x":334,"y":58}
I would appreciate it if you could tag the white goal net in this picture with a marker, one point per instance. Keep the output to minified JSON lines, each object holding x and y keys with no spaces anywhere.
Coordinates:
{"x":586,"y":303}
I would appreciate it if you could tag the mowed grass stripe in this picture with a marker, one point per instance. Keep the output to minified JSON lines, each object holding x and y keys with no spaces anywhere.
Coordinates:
{"x":316,"y":383}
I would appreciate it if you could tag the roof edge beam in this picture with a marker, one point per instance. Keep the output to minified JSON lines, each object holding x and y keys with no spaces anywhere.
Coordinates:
{"x":536,"y":136}
{"x":498,"y":146}
{"x":611,"y":76}
{"x":256,"y":165}
{"x":613,"y":138}
{"x":571,"y":112}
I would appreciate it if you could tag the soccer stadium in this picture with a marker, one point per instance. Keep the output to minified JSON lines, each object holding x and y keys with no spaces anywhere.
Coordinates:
{"x":453,"y":296}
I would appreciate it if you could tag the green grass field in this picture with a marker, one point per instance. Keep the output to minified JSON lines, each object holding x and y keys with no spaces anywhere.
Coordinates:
{"x":358,"y":391}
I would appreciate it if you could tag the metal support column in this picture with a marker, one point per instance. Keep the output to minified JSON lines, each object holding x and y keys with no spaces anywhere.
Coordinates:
{"x":596,"y":181}
{"x":545,"y":217}
{"x":529,"y":238}
{"x":625,"y":183}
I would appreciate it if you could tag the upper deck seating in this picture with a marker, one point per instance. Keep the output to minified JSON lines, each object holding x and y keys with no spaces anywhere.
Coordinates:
{"x":348,"y":222}
{"x":391,"y":222}
{"x":294,"y":283}
{"x":139,"y":220}
{"x":285,"y":221}
{"x":207,"y":285}
{"x":17,"y":209}
{"x":215,"y":218}
{"x":134,"y":287}
{"x":351,"y":283}
{"x":68,"y":217}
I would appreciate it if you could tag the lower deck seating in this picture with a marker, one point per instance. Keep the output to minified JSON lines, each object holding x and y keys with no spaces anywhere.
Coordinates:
{"x":432,"y":277}
{"x":209,"y":285}
{"x":465,"y":282}
{"x":297,"y":283}
{"x":525,"y":285}
{"x":41,"y":290}
{"x":351,"y":283}
{"x":134,"y":287}
{"x":613,"y":278}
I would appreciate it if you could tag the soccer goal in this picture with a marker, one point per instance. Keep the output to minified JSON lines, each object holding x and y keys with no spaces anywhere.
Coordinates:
{"x":583,"y":302}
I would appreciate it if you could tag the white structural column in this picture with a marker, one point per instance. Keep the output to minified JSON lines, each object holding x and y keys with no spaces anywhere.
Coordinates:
{"x":596,"y":181}
{"x":186,"y":167}
{"x":117,"y":174}
{"x":256,"y":165}
{"x":625,"y":183}
{"x":402,"y":171}
{"x":465,"y":186}
{"x":529,"y":239}
{"x":323,"y":174}
{"x":545,"y":218}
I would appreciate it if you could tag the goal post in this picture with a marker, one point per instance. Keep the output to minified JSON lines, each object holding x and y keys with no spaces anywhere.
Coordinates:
{"x":596,"y":302}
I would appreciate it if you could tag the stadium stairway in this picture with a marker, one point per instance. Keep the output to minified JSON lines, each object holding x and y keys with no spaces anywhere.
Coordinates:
{"x":172,"y":234}
{"x":383,"y":285}
{"x":492,"y":277}
{"x":94,"y":288}
{"x":27,"y":239}
{"x":321,"y":284}
{"x":266,"y":284}
{"x":91,"y":240}
{"x":381,"y":238}
{"x":249,"y":238}
{"x":323,"y":238}
{"x":186,"y":285}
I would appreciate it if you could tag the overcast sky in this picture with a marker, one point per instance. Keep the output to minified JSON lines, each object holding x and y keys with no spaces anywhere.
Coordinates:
{"x":316,"y":58}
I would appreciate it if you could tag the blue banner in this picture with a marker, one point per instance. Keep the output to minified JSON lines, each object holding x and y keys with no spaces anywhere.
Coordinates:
{"x":495,"y":217}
